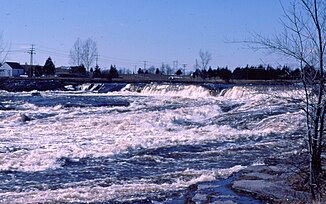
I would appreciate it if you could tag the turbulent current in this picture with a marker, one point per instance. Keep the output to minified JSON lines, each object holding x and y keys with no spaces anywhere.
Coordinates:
{"x":123,"y":143}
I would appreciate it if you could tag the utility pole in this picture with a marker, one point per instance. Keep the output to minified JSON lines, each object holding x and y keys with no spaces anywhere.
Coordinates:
{"x":184,"y":69}
{"x":97,"y":60}
{"x":175,"y":64}
{"x":145,"y":65}
{"x":163,"y":68}
{"x":31,"y":70}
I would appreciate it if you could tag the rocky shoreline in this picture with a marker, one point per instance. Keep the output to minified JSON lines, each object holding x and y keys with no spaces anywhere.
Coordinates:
{"x":275,"y":181}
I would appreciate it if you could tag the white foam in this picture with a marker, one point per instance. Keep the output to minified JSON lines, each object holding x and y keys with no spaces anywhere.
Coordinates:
{"x":81,"y":132}
{"x":281,"y":93}
{"x":227,"y":172}
{"x":191,"y":91}
{"x":134,"y":128}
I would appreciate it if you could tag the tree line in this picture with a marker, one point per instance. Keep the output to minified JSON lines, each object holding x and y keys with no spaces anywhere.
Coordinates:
{"x":260,"y":72}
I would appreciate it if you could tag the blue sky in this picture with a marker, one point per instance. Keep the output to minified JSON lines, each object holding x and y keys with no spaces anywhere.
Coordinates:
{"x":128,"y":32}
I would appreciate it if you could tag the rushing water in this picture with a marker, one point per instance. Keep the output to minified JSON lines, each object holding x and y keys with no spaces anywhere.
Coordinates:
{"x":137,"y":143}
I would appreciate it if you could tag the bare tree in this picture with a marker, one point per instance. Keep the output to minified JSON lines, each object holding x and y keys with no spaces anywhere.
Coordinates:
{"x":304,"y":39}
{"x":1,"y":49}
{"x":3,"y":53}
{"x":167,"y":69}
{"x":205,"y":58}
{"x":76,"y":53}
{"x":83,"y":53}
{"x":89,"y":53}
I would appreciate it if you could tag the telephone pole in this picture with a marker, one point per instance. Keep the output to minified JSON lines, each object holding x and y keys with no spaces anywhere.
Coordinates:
{"x":184,"y":69}
{"x":31,"y":70}
{"x":145,"y":65}
{"x":96,"y":59}
{"x":175,"y":65}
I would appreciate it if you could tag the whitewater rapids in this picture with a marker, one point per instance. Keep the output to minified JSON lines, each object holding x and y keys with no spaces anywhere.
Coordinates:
{"x":121,"y":143}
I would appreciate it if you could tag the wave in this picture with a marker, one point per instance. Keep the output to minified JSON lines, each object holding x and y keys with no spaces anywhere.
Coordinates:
{"x":90,"y":87}
{"x":179,"y":90}
{"x":232,"y":92}
{"x":191,"y":91}
{"x":261,"y":92}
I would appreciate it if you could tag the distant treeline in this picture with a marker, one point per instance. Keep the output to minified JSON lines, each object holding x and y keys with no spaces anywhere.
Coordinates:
{"x":250,"y":73}
{"x":259,"y":72}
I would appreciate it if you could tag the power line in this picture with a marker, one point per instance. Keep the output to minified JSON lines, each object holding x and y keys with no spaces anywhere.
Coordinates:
{"x":31,"y":52}
{"x":108,"y":59}
{"x":13,"y":51}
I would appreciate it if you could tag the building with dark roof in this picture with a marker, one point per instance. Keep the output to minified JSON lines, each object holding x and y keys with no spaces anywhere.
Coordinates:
{"x":11,"y":69}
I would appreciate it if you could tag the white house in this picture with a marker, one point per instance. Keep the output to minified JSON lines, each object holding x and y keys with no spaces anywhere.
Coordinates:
{"x":11,"y":69}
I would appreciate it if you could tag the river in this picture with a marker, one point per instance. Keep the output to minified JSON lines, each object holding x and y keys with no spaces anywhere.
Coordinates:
{"x":122,"y":143}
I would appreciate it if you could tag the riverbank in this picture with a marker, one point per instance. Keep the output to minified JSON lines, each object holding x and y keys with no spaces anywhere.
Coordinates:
{"x":278,"y":181}
{"x":274,"y":181}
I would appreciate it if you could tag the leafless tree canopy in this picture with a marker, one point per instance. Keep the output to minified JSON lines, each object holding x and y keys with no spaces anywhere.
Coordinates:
{"x":304,"y":39}
{"x":3,"y":52}
{"x":205,"y":58}
{"x":89,"y":53}
{"x":76,"y":53}
{"x":84,"y":53}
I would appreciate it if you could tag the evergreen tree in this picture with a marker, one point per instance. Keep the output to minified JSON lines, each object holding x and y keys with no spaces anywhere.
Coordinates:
{"x":97,"y":72}
{"x":140,"y":71}
{"x":113,"y":73}
{"x":179,"y":72}
{"x":49,"y":68}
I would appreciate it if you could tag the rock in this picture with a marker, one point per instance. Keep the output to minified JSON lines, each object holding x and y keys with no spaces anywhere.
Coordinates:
{"x":24,"y":118}
{"x":253,"y":175}
{"x":35,"y":93}
{"x":271,"y":190}
{"x":269,"y":183}
{"x":200,"y":198}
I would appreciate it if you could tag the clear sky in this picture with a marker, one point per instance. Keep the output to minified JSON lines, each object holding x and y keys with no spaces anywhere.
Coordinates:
{"x":128,"y":32}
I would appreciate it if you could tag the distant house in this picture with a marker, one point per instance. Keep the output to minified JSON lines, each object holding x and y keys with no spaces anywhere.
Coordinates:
{"x":78,"y":70}
{"x":63,"y":71}
{"x":70,"y":71}
{"x":11,"y":69}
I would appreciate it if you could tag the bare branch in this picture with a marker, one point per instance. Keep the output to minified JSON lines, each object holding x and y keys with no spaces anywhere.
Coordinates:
{"x":84,"y":53}
{"x":3,"y":52}
{"x":89,"y":53}
{"x":303,"y":39}
{"x":76,"y":53}
{"x":205,"y":58}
